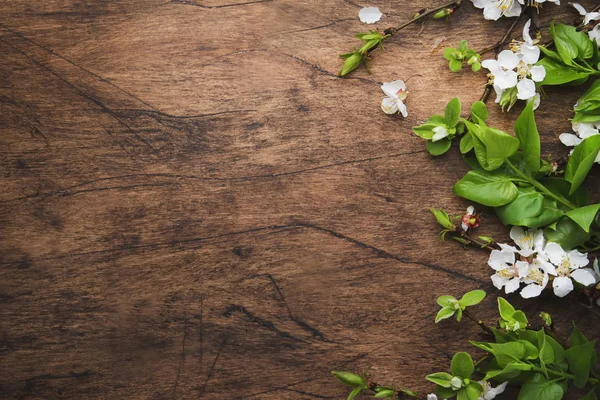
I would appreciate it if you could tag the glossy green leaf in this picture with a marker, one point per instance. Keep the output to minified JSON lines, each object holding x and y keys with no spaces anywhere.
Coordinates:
{"x":541,"y":391}
{"x":529,"y":138}
{"x":444,"y":313}
{"x":584,"y":216}
{"x":558,"y":73}
{"x":440,"y":378}
{"x":581,"y":161}
{"x":438,"y":148}
{"x":489,"y":189}
{"x":466,"y":143}
{"x":462,"y":365}
{"x":580,"y":362}
{"x":567,"y":233}
{"x":452,"y":113}
{"x":472,"y":298}
{"x":527,"y":205}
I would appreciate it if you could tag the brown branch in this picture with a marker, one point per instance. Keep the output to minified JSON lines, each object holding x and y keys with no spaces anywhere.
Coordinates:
{"x":479,"y":322}
{"x":502,"y":41}
{"x":452,"y":5}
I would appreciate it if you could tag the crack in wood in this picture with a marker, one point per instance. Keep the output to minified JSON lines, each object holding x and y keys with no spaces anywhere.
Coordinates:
{"x":196,"y":4}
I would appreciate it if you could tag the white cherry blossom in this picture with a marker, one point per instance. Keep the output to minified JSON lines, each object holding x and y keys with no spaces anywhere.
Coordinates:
{"x":587,"y":18}
{"x":369,"y":15}
{"x":569,"y":265}
{"x":582,"y":130}
{"x":494,"y":9}
{"x":395,"y":94}
{"x":508,"y":272}
{"x":490,"y":392}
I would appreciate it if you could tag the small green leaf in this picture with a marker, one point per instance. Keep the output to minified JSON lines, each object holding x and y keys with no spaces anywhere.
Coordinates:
{"x":466,"y":143}
{"x":352,"y":62}
{"x":452,"y":113}
{"x":442,"y":218}
{"x":462,"y":365}
{"x":348,"y":378}
{"x":581,"y":161}
{"x":455,"y":65}
{"x":444,"y":313}
{"x":382,"y":394}
{"x":446,"y":301}
{"x":479,"y":112}
{"x":438,"y":148}
{"x":440,"y":378}
{"x":471,"y":298}
{"x":355,"y":393}
{"x":528,"y":136}
{"x":505,"y":308}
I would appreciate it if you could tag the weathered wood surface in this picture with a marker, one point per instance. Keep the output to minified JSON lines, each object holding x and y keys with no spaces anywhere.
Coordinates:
{"x":193,"y":205}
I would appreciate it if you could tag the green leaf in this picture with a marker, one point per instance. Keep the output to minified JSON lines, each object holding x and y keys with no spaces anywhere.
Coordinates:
{"x":355,"y":393}
{"x":580,"y":362}
{"x":581,"y":161}
{"x":471,"y":298}
{"x":462,"y":365}
{"x":348,"y":378}
{"x":567,"y":50}
{"x":455,"y":65}
{"x":505,"y":308}
{"x":446,"y":301}
{"x":479,"y":112}
{"x":543,"y":390}
{"x":557,"y":348}
{"x":442,"y":218}
{"x":577,"y":338}
{"x":509,"y":352}
{"x":528,"y":205}
{"x":567,"y":233}
{"x":438,"y":148}
{"x":558,"y":73}
{"x":466,"y":143}
{"x":528,"y":136}
{"x":580,"y":40}
{"x":444,"y":313}
{"x":489,"y":189}
{"x":352,"y":62}
{"x":444,"y":393}
{"x":510,"y":370}
{"x":440,"y":378}
{"x":591,"y":395}
{"x":584,"y":216}
{"x":382,"y":394}
{"x":470,"y":392}
{"x":452,"y":113}
{"x":492,"y":146}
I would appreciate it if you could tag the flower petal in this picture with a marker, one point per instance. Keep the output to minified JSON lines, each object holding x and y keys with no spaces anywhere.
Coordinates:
{"x":391,"y":89}
{"x":512,"y":285}
{"x":389,"y":105}
{"x":440,"y":133}
{"x":526,"y":36}
{"x":555,"y":253}
{"x":568,"y":139}
{"x":507,"y":59}
{"x":531,"y":290}
{"x":579,"y":8}
{"x":526,"y":89}
{"x":492,"y":12}
{"x":506,"y":80}
{"x":562,"y":286}
{"x":369,"y":15}
{"x":577,"y":259}
{"x":498,"y":281}
{"x":538,"y":73}
{"x":514,"y":11}
{"x":402,"y":108}
{"x":530,"y":54}
{"x":585,"y":276}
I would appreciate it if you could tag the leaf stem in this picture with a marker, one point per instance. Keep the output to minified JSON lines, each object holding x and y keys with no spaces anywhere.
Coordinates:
{"x":541,"y":187}
{"x":564,"y":375}
{"x":452,"y":4}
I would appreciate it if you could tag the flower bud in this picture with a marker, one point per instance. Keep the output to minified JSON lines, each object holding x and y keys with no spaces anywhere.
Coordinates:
{"x":348,"y":378}
{"x":352,"y":62}
{"x":442,"y":13}
{"x":456,"y":383}
{"x":443,"y":219}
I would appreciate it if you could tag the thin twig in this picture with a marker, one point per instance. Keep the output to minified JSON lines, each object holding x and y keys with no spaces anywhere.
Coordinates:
{"x":479,"y":322}
{"x":452,"y":5}
{"x":502,"y":41}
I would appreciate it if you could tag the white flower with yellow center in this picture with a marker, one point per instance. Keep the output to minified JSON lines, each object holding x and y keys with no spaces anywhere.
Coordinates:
{"x":509,"y":273}
{"x":569,"y":265}
{"x":494,"y":9}
{"x":395,"y":94}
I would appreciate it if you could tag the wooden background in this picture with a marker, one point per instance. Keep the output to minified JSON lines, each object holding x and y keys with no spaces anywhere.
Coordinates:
{"x":194,"y":206}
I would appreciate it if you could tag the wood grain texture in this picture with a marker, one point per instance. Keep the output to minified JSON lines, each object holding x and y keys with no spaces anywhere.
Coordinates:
{"x":193,"y":205}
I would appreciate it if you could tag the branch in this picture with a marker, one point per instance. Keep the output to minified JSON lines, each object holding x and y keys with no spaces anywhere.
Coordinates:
{"x":452,"y":5}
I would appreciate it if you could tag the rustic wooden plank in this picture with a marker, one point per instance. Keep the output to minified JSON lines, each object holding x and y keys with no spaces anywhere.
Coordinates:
{"x":193,"y":205}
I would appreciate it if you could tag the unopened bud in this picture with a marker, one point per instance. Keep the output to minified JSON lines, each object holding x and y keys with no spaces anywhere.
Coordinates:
{"x":349,"y":378}
{"x":351,"y":63}
{"x":442,"y":13}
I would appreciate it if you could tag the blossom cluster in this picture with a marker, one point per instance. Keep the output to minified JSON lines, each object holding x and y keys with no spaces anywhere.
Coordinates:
{"x":494,"y":9}
{"x":514,"y":74}
{"x":533,"y":262}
